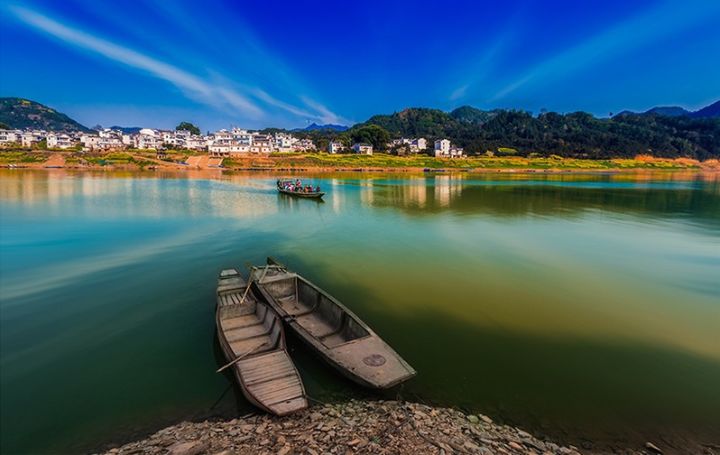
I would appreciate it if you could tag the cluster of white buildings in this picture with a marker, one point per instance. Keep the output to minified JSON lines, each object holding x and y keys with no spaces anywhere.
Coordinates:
{"x":221,"y":143}
{"x":237,"y":141}
{"x":360,"y":148}
{"x":28,"y":138}
{"x":445,"y":149}
{"x":407,"y":146}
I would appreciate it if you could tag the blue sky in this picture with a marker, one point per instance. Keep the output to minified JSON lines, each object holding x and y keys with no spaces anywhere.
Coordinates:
{"x":255,"y":64}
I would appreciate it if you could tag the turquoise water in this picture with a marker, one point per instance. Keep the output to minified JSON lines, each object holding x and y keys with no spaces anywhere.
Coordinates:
{"x":581,"y":307}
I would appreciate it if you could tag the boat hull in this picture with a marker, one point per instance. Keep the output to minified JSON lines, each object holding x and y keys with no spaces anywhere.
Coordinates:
{"x":336,"y":334}
{"x":302,"y":195}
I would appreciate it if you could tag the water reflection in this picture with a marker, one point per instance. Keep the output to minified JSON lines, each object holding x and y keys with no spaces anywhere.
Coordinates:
{"x":565,"y":303}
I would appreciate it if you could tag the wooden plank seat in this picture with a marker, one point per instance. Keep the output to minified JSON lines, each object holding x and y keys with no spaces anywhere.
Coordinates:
{"x":241,"y":347}
{"x":243,"y":333}
{"x":239,"y":321}
{"x":231,"y":286}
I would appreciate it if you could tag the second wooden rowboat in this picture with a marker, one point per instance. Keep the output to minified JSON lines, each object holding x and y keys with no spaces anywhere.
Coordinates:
{"x":250,"y":330}
{"x":331,"y":329}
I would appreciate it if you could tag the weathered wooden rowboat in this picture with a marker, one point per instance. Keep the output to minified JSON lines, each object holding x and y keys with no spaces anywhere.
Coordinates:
{"x":252,"y":330}
{"x":312,"y":195}
{"x":332,"y":330}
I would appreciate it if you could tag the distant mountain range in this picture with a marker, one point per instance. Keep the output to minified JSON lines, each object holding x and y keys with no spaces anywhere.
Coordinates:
{"x":711,"y":111}
{"x":326,"y":127}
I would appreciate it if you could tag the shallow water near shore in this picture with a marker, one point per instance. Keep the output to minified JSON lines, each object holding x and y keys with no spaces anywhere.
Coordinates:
{"x":581,"y":307}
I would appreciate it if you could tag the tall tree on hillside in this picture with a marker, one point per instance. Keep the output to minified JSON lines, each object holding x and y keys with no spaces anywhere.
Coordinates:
{"x":187,"y":126}
{"x":371,"y":134}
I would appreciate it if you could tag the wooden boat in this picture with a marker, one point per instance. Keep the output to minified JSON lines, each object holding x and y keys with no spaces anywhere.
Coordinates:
{"x":301,"y":194}
{"x":252,"y":330}
{"x":332,"y":330}
{"x":313,"y":195}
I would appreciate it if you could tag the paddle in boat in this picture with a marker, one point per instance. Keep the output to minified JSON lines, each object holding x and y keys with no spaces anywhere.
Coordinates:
{"x":253,"y":340}
{"x":332,"y":330}
{"x":296,"y":189}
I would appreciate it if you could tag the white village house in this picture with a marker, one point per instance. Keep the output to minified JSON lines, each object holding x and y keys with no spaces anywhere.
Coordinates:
{"x":363,"y":148}
{"x":335,"y":147}
{"x":60,"y":141}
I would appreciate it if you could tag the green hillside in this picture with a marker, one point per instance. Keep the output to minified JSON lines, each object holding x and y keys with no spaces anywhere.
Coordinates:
{"x":578,"y":135}
{"x":21,"y":113}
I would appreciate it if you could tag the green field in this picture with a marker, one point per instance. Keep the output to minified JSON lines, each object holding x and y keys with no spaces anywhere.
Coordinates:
{"x":348,"y":162}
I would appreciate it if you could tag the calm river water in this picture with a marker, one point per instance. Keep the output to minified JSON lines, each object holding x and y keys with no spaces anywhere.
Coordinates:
{"x":581,"y":307}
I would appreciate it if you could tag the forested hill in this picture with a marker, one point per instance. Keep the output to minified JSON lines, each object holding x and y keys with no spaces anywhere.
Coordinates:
{"x":573,"y":135}
{"x":21,"y":114}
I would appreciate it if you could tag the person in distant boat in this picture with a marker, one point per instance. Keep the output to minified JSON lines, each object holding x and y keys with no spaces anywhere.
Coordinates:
{"x":317,"y":189}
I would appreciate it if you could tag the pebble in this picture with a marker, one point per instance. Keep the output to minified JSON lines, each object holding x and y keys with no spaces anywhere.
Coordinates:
{"x":515,"y":445}
{"x":188,"y":448}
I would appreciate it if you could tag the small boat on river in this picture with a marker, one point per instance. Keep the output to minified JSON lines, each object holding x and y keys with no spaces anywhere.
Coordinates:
{"x":288,"y":187}
{"x":251,"y":335}
{"x":332,"y":330}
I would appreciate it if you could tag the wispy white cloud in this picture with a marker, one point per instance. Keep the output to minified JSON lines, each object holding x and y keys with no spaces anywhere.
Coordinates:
{"x":267,"y":98}
{"x":474,"y":70}
{"x":191,"y":85}
{"x":666,"y":19}
{"x":325,"y":115}
{"x":459,"y":92}
{"x":217,"y":92}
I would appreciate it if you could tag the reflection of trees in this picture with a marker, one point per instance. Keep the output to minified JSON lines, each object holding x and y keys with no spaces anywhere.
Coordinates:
{"x":520,"y":198}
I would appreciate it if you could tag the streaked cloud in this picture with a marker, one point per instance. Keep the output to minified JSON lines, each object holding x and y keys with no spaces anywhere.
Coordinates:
{"x":267,"y":98}
{"x":216,"y":92}
{"x":459,"y":92}
{"x":663,"y":21}
{"x":191,"y":85}
{"x":326,"y":115}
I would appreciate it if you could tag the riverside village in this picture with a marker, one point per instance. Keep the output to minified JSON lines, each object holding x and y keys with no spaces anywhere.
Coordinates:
{"x":221,"y":144}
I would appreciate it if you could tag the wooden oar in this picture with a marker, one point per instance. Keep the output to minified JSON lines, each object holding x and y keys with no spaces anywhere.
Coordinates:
{"x":247,"y":289}
{"x":240,"y":357}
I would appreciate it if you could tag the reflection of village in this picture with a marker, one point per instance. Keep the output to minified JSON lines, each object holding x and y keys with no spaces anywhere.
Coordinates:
{"x":206,"y":193}
{"x":419,"y":192}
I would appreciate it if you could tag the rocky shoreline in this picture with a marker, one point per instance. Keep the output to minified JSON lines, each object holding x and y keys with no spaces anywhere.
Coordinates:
{"x":363,"y":427}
